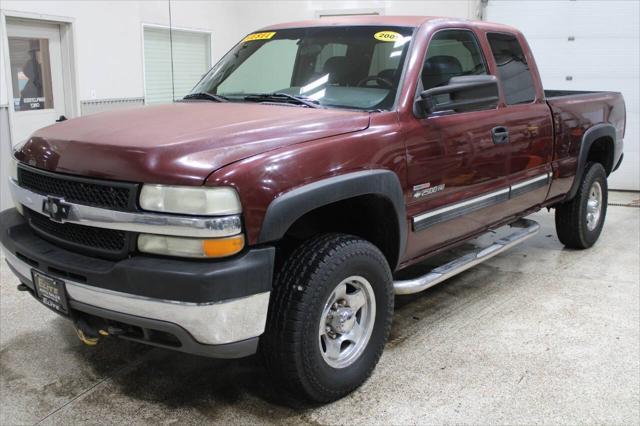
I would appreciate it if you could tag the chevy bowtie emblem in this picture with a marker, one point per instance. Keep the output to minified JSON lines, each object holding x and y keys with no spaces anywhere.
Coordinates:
{"x":56,"y":209}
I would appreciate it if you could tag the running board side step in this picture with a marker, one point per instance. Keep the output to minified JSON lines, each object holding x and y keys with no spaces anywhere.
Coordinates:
{"x":526,"y":229}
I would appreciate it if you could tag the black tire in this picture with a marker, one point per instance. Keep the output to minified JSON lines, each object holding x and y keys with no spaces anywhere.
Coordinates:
{"x":290,"y":345}
{"x":571,"y":216}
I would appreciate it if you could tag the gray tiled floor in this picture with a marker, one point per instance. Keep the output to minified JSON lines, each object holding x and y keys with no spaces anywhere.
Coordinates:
{"x":539,"y":334}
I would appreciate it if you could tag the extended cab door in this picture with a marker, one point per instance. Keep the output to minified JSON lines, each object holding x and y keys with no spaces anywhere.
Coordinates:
{"x":526,"y":119}
{"x":457,"y":174}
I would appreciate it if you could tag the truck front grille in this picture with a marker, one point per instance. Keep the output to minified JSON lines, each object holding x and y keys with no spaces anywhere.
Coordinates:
{"x":91,"y":192}
{"x":109,"y":243}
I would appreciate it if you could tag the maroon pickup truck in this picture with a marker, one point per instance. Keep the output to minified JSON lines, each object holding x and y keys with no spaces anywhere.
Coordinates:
{"x":278,"y":206}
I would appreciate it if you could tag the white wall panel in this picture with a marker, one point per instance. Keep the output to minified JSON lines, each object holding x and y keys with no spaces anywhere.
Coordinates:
{"x":603,"y":55}
{"x":109,"y":34}
{"x":613,"y":57}
{"x":552,"y":18}
{"x":258,"y":14}
{"x":3,"y":83}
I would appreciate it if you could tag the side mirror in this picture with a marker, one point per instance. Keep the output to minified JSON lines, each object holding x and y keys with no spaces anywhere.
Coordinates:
{"x":465,"y":93}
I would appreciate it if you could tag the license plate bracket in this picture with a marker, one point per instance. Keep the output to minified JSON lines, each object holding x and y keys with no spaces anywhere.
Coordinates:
{"x":51,"y":292}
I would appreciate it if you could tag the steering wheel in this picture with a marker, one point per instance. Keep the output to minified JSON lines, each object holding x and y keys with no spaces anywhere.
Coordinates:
{"x":382,"y":82}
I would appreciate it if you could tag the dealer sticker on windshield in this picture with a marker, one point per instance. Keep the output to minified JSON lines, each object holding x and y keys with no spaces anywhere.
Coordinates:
{"x":259,"y":36}
{"x":387,"y":36}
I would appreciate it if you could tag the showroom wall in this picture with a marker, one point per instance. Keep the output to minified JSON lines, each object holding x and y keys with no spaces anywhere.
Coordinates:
{"x":108,"y":40}
{"x":575,"y":51}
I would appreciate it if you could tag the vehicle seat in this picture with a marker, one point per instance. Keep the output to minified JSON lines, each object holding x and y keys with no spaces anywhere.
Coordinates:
{"x":438,"y":70}
{"x":338,"y":69}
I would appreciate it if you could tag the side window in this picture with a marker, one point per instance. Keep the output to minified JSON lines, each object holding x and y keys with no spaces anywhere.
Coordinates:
{"x":451,"y":53}
{"x":513,"y":69}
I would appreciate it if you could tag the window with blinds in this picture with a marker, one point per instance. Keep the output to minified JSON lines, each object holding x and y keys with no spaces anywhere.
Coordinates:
{"x":191,"y":59}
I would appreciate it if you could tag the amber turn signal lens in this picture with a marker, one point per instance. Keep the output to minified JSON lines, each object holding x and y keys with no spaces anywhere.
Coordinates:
{"x":190,"y":247}
{"x":221,"y":247}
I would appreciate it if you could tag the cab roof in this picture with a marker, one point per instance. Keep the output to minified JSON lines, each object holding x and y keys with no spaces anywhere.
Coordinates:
{"x":396,"y":21}
{"x":383,"y":20}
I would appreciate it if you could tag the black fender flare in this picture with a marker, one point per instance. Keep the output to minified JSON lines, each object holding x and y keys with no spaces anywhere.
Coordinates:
{"x":284,"y":210}
{"x":590,"y":136}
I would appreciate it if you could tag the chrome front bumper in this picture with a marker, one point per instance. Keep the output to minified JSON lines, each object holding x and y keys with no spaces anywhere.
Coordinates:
{"x":215,"y":323}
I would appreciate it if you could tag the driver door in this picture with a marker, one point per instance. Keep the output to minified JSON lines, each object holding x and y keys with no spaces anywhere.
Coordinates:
{"x":456,"y":171}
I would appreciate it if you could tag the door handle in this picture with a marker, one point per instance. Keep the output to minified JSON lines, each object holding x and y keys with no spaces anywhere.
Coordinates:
{"x":500,"y":135}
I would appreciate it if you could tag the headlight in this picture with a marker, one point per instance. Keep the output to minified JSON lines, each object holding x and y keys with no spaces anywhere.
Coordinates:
{"x":13,"y":175}
{"x":190,"y":200}
{"x":190,"y":247}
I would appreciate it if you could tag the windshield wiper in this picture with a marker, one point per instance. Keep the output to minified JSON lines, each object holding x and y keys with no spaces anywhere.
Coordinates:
{"x":206,"y":95}
{"x":283,"y":97}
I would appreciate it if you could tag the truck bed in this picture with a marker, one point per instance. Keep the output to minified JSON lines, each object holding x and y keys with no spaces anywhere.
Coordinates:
{"x":562,"y":93}
{"x":574,"y":113}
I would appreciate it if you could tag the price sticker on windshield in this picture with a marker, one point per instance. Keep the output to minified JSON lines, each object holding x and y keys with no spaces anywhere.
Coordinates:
{"x":387,"y":36}
{"x":259,"y":36}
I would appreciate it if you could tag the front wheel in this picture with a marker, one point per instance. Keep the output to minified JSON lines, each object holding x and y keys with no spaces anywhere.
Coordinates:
{"x":579,"y":222}
{"x":329,"y":318}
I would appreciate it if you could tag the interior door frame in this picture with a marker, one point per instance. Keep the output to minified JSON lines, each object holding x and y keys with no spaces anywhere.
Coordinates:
{"x":69,"y":61}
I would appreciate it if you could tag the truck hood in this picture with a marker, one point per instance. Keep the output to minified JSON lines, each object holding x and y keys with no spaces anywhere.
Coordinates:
{"x":181,"y":143}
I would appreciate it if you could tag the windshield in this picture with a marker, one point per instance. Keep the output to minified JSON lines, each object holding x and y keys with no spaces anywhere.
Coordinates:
{"x":340,"y":67}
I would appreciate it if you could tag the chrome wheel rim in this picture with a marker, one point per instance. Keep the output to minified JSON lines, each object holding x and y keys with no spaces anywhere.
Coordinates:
{"x":594,"y":206}
{"x":347,"y":322}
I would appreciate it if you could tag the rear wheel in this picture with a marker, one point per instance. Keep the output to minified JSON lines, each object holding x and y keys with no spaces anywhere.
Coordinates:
{"x":579,"y":222}
{"x":329,"y":318}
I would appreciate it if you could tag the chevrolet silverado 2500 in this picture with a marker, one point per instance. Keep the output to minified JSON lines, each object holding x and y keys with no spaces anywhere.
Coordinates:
{"x":275,"y":207}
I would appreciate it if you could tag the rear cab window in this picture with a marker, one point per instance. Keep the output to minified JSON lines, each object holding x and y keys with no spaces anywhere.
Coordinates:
{"x":513,"y":69}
